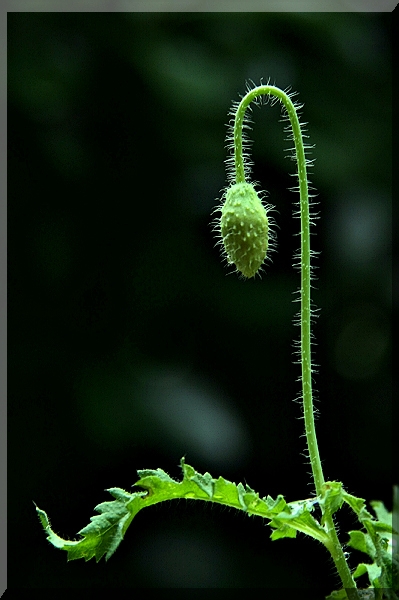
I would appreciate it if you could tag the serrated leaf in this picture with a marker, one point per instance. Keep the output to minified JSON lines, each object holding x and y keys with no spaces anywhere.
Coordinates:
{"x":356,"y":504}
{"x":332,"y":497}
{"x":285,"y":531}
{"x":301,"y":521}
{"x":205,"y":482}
{"x":159,"y":473}
{"x":106,"y":530}
{"x":278,"y":505}
{"x":377,"y":543}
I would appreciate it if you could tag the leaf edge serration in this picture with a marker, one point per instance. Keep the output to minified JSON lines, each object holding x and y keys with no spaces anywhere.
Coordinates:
{"x":106,"y":530}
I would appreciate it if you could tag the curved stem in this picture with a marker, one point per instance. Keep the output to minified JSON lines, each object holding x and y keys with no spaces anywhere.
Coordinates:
{"x":305,"y":313}
{"x":305,"y":348}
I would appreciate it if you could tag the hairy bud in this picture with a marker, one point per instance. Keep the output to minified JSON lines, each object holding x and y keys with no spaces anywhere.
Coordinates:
{"x":244,"y":227}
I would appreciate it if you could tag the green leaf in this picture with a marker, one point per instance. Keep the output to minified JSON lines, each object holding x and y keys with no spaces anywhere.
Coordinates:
{"x":284,"y":531}
{"x":373,"y":571}
{"x":362,"y":542}
{"x":360,"y":570}
{"x":382,"y":527}
{"x":106,"y":530}
{"x":205,"y":482}
{"x":158,"y":473}
{"x":298,"y":517}
{"x":357,"y":504}
{"x":332,"y":498}
{"x":381,"y":512}
{"x":383,"y":572}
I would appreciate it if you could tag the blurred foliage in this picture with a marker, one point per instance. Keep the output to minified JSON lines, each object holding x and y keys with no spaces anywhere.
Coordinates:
{"x":125,"y":328}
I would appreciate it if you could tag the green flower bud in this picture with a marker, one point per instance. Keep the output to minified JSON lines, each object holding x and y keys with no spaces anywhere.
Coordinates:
{"x":244,"y":227}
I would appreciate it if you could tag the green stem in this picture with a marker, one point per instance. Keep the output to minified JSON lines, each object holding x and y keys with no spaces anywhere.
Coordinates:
{"x":338,"y":557}
{"x":305,"y":313}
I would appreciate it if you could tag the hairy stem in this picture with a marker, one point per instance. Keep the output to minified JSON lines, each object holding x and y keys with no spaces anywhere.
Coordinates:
{"x":305,"y":348}
{"x":305,"y":312}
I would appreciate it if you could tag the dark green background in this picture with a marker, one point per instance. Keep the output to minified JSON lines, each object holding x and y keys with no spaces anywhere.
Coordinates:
{"x":129,"y":343}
